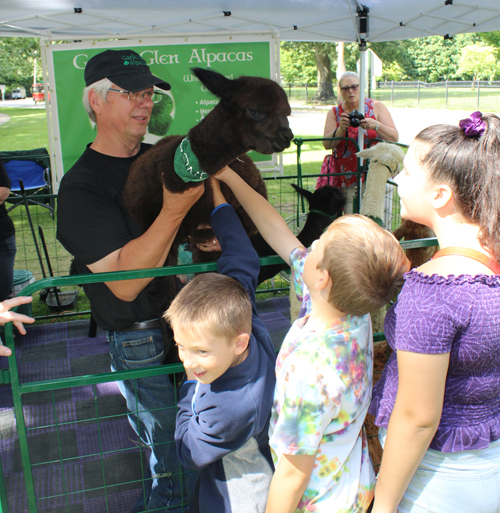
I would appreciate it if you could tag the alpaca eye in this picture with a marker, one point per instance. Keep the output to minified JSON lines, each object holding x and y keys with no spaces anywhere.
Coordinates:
{"x":256,"y":114}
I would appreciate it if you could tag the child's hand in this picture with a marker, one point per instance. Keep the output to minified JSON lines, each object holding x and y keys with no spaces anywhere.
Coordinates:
{"x":209,"y":245}
{"x":217,"y":193}
{"x":17,"y":318}
{"x":221,"y":175}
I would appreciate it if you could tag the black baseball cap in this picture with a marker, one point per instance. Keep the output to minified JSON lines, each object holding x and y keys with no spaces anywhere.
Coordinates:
{"x":125,"y":68}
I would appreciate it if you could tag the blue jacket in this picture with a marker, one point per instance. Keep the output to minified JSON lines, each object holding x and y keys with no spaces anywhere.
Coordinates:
{"x":222,"y":427}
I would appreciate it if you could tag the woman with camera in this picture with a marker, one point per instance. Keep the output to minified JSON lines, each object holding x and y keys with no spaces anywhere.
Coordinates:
{"x":343,"y":121}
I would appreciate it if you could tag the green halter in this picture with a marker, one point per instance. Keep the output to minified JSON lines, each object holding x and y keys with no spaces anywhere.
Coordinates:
{"x":186,"y":164}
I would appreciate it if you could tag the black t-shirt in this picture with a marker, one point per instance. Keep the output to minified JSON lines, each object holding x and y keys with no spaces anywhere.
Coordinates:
{"x":6,"y":225}
{"x":92,"y":222}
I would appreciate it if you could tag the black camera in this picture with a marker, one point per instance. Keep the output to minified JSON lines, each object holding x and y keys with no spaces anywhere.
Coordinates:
{"x":355,"y":118}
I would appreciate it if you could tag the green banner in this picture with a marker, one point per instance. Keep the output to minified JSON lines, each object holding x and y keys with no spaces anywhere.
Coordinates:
{"x":186,"y":104}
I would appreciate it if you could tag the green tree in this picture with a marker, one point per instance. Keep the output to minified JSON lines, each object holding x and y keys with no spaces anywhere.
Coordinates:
{"x":396,"y":62}
{"x":326,"y":55}
{"x":492,"y":39}
{"x":435,"y":58}
{"x":298,"y":65}
{"x":17,"y":61}
{"x":310,"y":63}
{"x":478,"y":62}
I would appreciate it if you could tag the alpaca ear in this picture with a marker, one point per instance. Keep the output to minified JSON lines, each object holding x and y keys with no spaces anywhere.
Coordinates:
{"x":366,"y":154}
{"x":303,"y":192}
{"x":216,"y":83}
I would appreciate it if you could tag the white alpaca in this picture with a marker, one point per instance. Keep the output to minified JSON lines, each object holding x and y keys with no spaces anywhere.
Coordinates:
{"x":385,"y":162}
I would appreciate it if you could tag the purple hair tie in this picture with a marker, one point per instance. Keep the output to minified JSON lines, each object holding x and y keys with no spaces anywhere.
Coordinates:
{"x":474,"y":125}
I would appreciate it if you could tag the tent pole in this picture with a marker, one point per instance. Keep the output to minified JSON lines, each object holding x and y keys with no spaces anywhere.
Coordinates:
{"x":362,"y":29}
{"x":45,"y":80}
{"x":362,"y":88}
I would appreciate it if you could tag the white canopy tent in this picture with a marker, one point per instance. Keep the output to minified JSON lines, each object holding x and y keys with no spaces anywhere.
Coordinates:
{"x":295,"y":20}
{"x":291,"y":20}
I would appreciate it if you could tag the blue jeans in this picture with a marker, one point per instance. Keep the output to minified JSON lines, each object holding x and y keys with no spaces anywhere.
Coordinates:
{"x":7,"y":258}
{"x":152,"y":411}
{"x":454,"y":482}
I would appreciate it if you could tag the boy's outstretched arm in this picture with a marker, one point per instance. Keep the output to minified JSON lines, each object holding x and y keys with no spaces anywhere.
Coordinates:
{"x":267,"y":220}
{"x":289,"y":483}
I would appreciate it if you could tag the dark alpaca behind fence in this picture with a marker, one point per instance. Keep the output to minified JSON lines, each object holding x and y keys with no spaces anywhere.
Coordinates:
{"x":325,"y":205}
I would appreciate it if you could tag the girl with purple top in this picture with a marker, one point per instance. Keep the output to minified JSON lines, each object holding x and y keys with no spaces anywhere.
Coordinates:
{"x":438,"y":400}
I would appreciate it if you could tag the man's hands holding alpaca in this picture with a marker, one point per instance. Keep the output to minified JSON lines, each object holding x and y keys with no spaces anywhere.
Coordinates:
{"x":178,"y":204}
{"x":152,"y":247}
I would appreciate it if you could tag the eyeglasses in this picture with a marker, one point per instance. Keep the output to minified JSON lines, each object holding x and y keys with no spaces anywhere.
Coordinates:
{"x":138,"y":96}
{"x":346,"y":89}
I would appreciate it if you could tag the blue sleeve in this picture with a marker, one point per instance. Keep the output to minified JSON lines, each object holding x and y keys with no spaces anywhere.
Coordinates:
{"x":214,"y":427}
{"x":239,"y":258}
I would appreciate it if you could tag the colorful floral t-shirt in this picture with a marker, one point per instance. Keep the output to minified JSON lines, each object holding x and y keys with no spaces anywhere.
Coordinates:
{"x":323,"y":389}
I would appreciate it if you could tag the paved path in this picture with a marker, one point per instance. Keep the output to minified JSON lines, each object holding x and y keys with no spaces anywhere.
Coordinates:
{"x":3,"y":118}
{"x":26,"y":103}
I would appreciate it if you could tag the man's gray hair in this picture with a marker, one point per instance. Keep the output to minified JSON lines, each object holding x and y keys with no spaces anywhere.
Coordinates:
{"x":101,"y":87}
{"x":347,"y":74}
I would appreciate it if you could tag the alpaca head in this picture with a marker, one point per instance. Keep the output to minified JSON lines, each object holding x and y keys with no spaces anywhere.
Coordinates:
{"x":256,"y":107}
{"x":327,"y":200}
{"x":389,"y":155}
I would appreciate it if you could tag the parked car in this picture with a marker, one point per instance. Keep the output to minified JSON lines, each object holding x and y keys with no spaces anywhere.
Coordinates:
{"x":19,"y":93}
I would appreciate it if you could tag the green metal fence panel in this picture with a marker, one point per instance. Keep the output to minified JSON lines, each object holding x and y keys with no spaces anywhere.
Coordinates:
{"x":21,"y":390}
{"x":4,"y":506}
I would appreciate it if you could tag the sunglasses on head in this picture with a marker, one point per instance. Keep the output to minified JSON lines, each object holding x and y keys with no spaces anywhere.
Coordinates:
{"x":347,"y":88}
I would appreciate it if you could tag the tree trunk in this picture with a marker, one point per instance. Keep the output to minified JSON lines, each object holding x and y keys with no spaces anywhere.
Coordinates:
{"x":325,"y":86}
{"x":340,"y":60}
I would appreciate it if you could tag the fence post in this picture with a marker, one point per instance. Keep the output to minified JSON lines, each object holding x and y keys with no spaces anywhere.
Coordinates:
{"x":478,"y":87}
{"x":418,"y":92}
{"x":307,"y":99}
{"x":446,"y":94}
{"x":392,"y":92}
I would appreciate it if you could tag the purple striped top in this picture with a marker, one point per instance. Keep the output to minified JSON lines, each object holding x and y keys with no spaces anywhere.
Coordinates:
{"x":459,"y":315}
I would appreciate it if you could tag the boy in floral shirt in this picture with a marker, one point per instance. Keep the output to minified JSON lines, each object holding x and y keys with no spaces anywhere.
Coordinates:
{"x":324,"y":368}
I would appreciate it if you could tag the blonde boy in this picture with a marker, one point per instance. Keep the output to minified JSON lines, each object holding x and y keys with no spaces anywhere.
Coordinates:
{"x":324,"y":368}
{"x":224,"y":406}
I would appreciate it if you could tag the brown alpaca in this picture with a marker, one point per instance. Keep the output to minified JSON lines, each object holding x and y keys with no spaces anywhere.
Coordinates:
{"x":251,"y":115}
{"x":413,"y":231}
{"x":381,"y":353}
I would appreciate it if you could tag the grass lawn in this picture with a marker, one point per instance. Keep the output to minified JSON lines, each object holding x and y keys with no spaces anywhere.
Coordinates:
{"x":26,"y":130}
{"x":432,"y":97}
{"x":463,"y":98}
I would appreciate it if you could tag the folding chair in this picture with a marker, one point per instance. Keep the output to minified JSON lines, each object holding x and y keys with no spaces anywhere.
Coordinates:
{"x":32,"y":167}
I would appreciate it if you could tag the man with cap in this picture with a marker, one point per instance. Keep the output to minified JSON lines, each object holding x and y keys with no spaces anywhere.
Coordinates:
{"x":94,"y":226}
